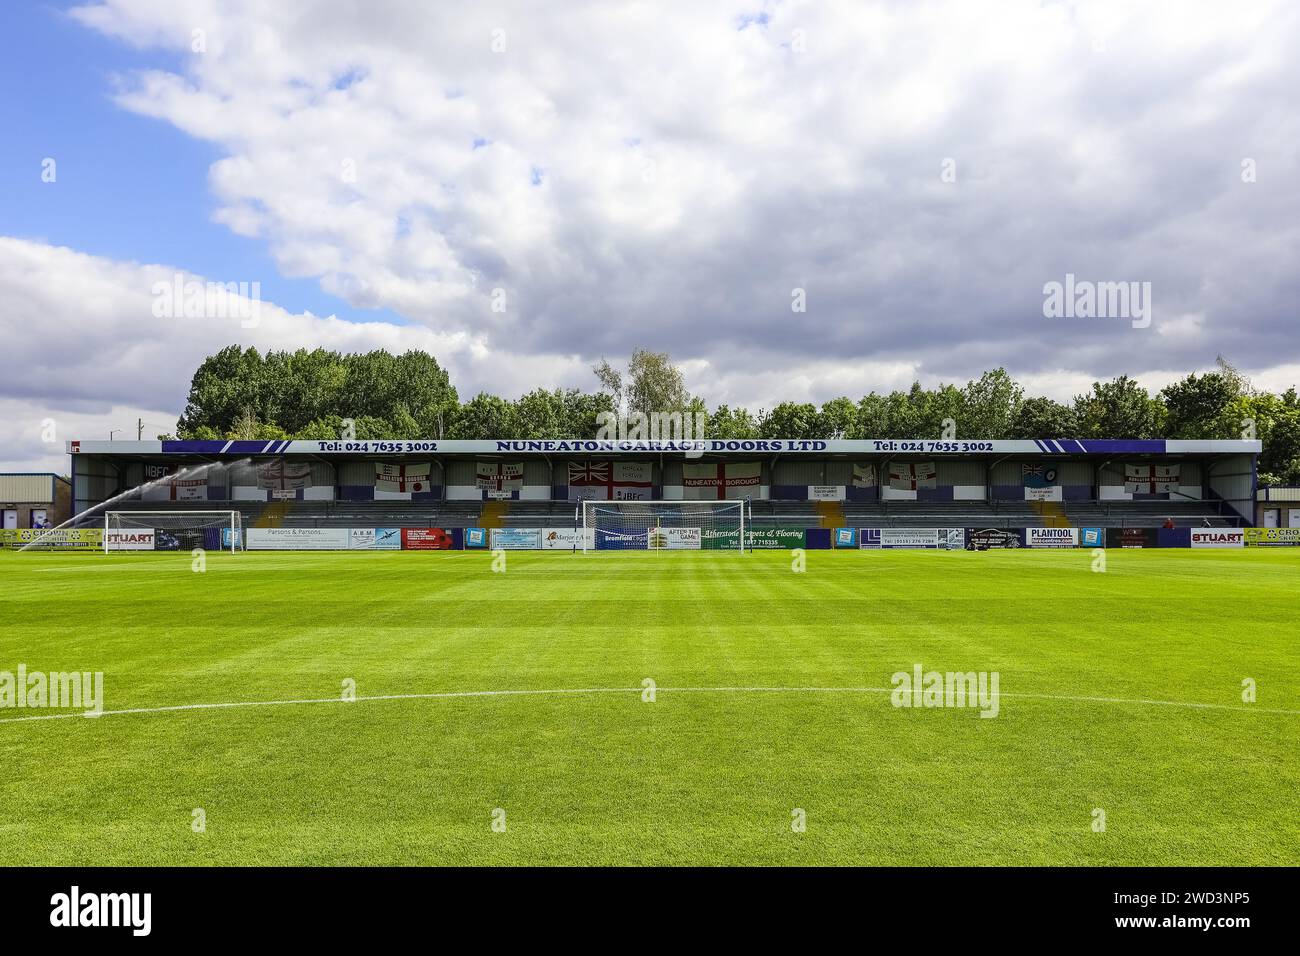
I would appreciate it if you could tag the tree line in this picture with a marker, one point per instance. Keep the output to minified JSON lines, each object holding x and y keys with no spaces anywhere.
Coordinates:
{"x":308,"y":394}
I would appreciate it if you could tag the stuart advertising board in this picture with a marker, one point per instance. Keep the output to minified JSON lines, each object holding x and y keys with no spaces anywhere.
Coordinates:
{"x":136,"y":539}
{"x":1218,"y":538}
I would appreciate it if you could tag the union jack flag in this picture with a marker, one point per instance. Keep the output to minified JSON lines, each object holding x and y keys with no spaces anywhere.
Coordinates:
{"x":1038,"y":476}
{"x":588,"y":472}
{"x":623,"y":480}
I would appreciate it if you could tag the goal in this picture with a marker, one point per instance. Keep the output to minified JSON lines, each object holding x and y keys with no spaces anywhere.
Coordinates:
{"x":664,"y":525}
{"x":173,"y":531}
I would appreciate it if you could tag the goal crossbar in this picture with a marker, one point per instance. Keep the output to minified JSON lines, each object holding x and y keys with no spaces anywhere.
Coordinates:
{"x":644,"y":525}
{"x":173,"y":530}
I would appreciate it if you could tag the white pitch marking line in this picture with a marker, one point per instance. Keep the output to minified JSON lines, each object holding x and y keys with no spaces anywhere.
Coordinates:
{"x":228,"y":705}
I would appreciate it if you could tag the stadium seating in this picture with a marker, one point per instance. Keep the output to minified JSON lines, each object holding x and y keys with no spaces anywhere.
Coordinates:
{"x":765,"y":514}
{"x":1146,"y":514}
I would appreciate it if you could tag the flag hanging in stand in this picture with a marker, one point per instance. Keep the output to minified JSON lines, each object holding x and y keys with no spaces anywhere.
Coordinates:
{"x":721,"y":480}
{"x":495,"y":476}
{"x":610,"y":480}
{"x":402,"y":479}
{"x":1150,"y":479}
{"x":909,"y":476}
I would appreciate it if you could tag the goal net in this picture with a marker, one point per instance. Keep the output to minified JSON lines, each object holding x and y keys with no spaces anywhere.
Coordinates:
{"x":664,"y":525}
{"x":173,"y":531}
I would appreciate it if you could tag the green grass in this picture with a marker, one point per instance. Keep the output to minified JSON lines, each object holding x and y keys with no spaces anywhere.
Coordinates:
{"x":698,"y":777}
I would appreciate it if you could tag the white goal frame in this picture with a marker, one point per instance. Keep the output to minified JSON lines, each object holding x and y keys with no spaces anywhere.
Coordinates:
{"x":234,"y":521}
{"x":680,"y":509}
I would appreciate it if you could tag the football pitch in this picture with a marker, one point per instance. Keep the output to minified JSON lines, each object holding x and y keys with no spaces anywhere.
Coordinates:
{"x":504,"y":717}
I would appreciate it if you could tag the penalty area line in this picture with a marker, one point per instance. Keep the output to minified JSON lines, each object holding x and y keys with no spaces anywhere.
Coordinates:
{"x":552,"y":692}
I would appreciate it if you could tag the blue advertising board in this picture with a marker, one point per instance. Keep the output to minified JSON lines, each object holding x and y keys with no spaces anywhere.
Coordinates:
{"x":622,"y":540}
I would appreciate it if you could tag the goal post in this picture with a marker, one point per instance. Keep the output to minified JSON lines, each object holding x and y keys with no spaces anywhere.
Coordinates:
{"x":665,"y":525}
{"x":173,"y":531}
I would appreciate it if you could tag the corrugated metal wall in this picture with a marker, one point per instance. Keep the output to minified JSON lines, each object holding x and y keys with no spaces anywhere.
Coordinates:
{"x":26,"y":488}
{"x":797,"y":471}
{"x":1074,"y":473}
{"x":949,"y":473}
{"x":460,"y":472}
{"x":1231,"y":479}
{"x":357,"y":473}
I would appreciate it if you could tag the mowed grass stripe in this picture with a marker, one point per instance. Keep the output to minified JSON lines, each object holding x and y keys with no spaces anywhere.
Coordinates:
{"x":691,"y":778}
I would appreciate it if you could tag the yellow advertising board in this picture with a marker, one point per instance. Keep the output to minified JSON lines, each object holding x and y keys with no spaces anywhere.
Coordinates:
{"x":73,"y":538}
{"x":1272,"y":536}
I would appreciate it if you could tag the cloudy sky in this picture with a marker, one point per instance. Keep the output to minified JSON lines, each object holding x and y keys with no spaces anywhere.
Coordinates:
{"x":522,"y":189}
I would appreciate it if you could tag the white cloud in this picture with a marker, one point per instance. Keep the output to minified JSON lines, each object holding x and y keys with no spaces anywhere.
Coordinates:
{"x":653,"y":175}
{"x":692,"y":173}
{"x":85,"y":349}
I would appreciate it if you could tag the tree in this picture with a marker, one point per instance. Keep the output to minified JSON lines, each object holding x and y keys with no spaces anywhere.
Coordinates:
{"x":541,"y":414}
{"x":611,"y":381}
{"x":321,"y":429}
{"x":378,"y":382}
{"x":299,"y":387}
{"x":651,"y":384}
{"x":1195,"y":406}
{"x":726,"y":422}
{"x":790,"y":420}
{"x":1277,"y":426}
{"x":874,"y":416}
{"x":247,"y":428}
{"x":1119,"y":409}
{"x":483,"y":418}
{"x":1280,"y":462}
{"x":838,"y":418}
{"x":581,"y":409}
{"x":916,"y":413}
{"x":989,"y":405}
{"x":1043,"y":418}
{"x":295,"y":393}
{"x":222,"y":389}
